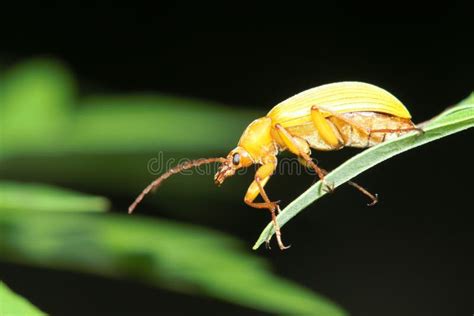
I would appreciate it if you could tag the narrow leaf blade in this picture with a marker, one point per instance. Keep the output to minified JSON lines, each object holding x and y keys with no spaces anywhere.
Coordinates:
{"x":12,"y":304}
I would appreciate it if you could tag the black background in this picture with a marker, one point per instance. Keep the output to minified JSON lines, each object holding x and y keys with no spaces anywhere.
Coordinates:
{"x":410,"y":255}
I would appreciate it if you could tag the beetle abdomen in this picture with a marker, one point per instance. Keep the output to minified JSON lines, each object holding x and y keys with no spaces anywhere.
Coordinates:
{"x":359,"y":134}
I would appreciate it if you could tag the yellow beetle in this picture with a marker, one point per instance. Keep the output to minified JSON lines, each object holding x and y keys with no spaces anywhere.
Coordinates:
{"x":328,"y":117}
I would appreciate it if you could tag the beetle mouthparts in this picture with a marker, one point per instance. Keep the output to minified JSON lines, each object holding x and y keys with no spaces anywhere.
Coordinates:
{"x":223,"y":172}
{"x":218,"y":182}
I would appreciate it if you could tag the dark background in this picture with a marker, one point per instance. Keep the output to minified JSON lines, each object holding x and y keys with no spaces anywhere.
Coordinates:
{"x":409,"y":255}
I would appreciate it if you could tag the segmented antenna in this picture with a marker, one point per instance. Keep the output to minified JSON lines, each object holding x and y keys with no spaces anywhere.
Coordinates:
{"x":169,"y":173}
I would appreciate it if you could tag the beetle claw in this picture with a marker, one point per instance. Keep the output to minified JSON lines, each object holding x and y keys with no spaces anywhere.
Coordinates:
{"x":283,"y":247}
{"x":420,"y":131}
{"x":267,"y":244}
{"x":328,"y":187}
{"x":278,"y":207}
{"x":274,"y":206}
{"x":374,"y":201}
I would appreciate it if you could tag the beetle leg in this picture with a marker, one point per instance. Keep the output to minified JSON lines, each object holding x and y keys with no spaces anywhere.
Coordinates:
{"x":373,"y":197}
{"x":396,"y":130}
{"x":327,"y":134}
{"x":325,"y":130}
{"x":274,"y":220}
{"x":300,"y":148}
{"x":316,"y":112}
{"x":256,"y":187}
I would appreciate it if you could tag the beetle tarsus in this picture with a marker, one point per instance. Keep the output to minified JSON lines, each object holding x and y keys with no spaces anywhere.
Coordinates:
{"x":272,"y":207}
{"x":280,"y":242}
{"x":282,"y":246}
{"x":278,"y":207}
{"x":373,"y":197}
{"x":267,"y":244}
{"x":419,"y":130}
{"x":327,"y":187}
{"x":375,"y":200}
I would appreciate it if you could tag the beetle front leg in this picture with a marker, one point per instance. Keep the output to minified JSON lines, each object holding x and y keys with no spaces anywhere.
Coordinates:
{"x":256,"y":187}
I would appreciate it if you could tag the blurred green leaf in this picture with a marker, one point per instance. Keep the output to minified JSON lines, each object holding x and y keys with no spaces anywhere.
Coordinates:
{"x":178,"y":257}
{"x":130,"y":123}
{"x":12,"y":304}
{"x":40,"y":197}
{"x":122,"y":175}
{"x":106,"y":142}
{"x":37,"y":118}
{"x":35,"y":105}
{"x":451,"y":121}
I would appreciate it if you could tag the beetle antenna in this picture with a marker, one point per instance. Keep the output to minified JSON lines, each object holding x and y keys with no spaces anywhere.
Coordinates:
{"x":169,"y":173}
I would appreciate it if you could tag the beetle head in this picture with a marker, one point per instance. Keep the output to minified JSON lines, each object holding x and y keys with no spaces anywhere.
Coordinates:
{"x":236,"y":159}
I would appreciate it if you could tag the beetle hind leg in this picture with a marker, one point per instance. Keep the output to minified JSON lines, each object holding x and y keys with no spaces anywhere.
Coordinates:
{"x":374,"y":198}
{"x":398,"y":125}
{"x":396,"y":130}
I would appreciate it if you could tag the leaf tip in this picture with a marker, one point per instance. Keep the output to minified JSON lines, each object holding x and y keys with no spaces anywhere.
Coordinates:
{"x":256,"y":246}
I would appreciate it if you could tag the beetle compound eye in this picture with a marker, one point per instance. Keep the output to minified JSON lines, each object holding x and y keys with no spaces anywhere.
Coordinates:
{"x":236,"y":159}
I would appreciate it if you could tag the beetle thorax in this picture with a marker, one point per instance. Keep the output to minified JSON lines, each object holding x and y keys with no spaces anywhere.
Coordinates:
{"x":257,"y":140}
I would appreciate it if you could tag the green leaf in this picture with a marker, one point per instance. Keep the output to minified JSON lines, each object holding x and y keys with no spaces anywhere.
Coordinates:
{"x":12,"y":304}
{"x":36,"y":99}
{"x":134,"y":123}
{"x":453,"y":120}
{"x":108,"y":140}
{"x":179,"y":257}
{"x":39,"y":115}
{"x":41,"y":197}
